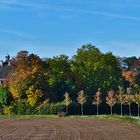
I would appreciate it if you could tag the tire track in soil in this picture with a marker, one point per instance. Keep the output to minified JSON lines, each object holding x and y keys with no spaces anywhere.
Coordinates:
{"x":67,"y":129}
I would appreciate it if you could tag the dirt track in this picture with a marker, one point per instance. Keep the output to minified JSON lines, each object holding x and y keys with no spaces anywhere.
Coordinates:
{"x":67,"y":129}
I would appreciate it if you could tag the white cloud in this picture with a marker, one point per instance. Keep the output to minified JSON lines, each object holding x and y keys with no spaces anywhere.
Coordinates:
{"x":22,"y":3}
{"x":42,"y":7}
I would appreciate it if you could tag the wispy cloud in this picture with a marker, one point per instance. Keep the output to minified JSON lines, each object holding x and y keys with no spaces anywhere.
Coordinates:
{"x":17,"y":33}
{"x":43,"y":7}
{"x":19,"y":3}
{"x":105,"y":14}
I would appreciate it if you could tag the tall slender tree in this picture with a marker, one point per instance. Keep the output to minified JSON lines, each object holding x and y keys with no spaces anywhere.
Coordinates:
{"x":111,"y":99}
{"x":81,"y":100}
{"x":137,"y":101}
{"x":97,"y":100}
{"x":129,"y":99}
{"x":67,"y":101}
{"x":121,"y":98}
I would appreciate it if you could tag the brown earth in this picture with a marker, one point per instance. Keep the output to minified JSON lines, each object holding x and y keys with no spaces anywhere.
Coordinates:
{"x":67,"y":129}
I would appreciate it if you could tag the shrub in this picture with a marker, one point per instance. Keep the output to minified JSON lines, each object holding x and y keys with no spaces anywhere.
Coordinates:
{"x":8,"y":110}
{"x":23,"y":108}
{"x":61,"y":114}
{"x":42,"y":108}
{"x":52,"y":108}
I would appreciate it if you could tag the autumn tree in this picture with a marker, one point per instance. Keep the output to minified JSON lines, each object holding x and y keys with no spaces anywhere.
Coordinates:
{"x":27,"y":72}
{"x":67,"y":101}
{"x":121,"y":98}
{"x":137,"y":101}
{"x":81,"y":99}
{"x":111,"y":99}
{"x":130,"y":76}
{"x":129,"y":97}
{"x":33,"y":95}
{"x":97,"y":100}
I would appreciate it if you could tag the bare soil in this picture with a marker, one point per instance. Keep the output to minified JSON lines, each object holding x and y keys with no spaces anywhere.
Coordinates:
{"x":67,"y":129}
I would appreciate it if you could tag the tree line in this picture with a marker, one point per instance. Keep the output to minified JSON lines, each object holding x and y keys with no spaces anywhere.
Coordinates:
{"x":42,"y":86}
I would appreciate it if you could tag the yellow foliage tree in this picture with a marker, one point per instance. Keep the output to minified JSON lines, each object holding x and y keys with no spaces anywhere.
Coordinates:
{"x":129,"y":98}
{"x":81,"y":100}
{"x":137,"y":101}
{"x":111,"y":99}
{"x":33,"y":95}
{"x":27,"y":70}
{"x":97,"y":100}
{"x":121,"y":98}
{"x":67,"y":101}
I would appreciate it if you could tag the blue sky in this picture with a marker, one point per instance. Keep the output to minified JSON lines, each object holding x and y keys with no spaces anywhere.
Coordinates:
{"x":52,"y":27}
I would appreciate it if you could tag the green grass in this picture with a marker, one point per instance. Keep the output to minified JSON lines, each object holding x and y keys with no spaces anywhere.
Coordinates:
{"x":120,"y":118}
{"x":28,"y":116}
{"x":127,"y":119}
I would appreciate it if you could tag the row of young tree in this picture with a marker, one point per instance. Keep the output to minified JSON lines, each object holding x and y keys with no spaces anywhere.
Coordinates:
{"x":34,"y":81}
{"x":112,"y":98}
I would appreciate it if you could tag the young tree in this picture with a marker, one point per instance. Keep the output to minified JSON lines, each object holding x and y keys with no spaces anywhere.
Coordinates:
{"x":97,"y":100}
{"x":137,"y":101}
{"x":67,"y":101}
{"x":81,"y":100}
{"x":121,"y":98}
{"x":129,"y":99}
{"x":111,"y":99}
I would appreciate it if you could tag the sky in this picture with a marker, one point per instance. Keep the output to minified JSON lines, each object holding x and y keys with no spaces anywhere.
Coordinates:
{"x":53,"y":27}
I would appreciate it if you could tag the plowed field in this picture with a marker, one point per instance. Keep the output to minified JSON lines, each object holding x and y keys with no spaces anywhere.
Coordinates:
{"x":67,"y":129}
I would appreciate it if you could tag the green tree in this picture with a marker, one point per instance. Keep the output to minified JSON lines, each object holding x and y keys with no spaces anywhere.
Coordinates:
{"x":97,"y":69}
{"x":60,"y":77}
{"x":81,"y":99}
{"x":4,"y":97}
{"x":85,"y":63}
{"x":129,"y":61}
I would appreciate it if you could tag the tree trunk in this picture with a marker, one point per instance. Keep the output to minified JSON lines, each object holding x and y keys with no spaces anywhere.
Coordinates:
{"x":82,"y":110}
{"x":138,"y":110}
{"x":66,"y":109}
{"x":111,"y":110}
{"x":129,"y":109}
{"x":97,"y":109}
{"x":121,"y":110}
{"x":19,"y":108}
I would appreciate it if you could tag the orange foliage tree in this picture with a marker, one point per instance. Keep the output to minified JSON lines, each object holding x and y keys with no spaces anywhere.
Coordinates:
{"x":111,"y":99}
{"x":97,"y":100}
{"x":81,"y":100}
{"x":130,"y":76}
{"x":27,"y":72}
